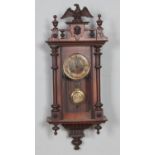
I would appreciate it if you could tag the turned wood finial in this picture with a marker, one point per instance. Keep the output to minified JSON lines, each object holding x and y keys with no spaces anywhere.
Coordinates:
{"x":99,"y":21}
{"x":98,"y":128}
{"x":55,"y":29}
{"x":55,"y":128}
{"x":62,"y":33}
{"x":55,"y":22}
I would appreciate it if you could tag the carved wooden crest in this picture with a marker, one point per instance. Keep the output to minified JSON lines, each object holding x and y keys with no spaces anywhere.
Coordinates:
{"x":77,"y":14}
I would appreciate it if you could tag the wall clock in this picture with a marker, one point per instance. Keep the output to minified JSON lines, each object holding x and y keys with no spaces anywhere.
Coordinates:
{"x":76,"y":53}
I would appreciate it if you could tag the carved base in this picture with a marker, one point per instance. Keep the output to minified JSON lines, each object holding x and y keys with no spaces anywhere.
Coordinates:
{"x":76,"y":131}
{"x":76,"y":141}
{"x":76,"y":128}
{"x":76,"y":135}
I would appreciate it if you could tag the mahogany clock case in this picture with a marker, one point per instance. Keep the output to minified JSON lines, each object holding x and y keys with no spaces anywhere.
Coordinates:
{"x":76,"y":64}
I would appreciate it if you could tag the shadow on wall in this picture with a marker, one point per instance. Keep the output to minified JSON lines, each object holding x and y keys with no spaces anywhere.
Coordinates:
{"x":110,"y":75}
{"x":45,"y":49}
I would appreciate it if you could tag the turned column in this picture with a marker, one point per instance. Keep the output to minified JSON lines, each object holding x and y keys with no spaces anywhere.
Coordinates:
{"x":55,"y":106}
{"x":98,"y":66}
{"x":98,"y":106}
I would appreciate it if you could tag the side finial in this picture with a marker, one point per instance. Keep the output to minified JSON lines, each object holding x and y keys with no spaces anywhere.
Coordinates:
{"x":99,"y":21}
{"x":55,"y":22}
{"x":55,"y":29}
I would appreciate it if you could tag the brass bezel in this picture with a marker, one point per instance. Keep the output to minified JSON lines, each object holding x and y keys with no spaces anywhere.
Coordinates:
{"x":77,"y":96}
{"x":72,"y":75}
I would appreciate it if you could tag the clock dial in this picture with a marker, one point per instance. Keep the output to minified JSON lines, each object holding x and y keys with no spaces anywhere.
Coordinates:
{"x":76,"y":67}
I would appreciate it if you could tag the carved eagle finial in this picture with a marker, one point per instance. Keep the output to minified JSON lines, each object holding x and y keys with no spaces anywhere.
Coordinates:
{"x":77,"y":14}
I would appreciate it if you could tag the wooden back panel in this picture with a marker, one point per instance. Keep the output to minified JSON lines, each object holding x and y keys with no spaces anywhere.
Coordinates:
{"x":69,"y":85}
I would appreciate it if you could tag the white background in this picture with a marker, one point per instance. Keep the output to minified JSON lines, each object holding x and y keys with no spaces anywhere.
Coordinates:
{"x":108,"y":141}
{"x":17,"y":84}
